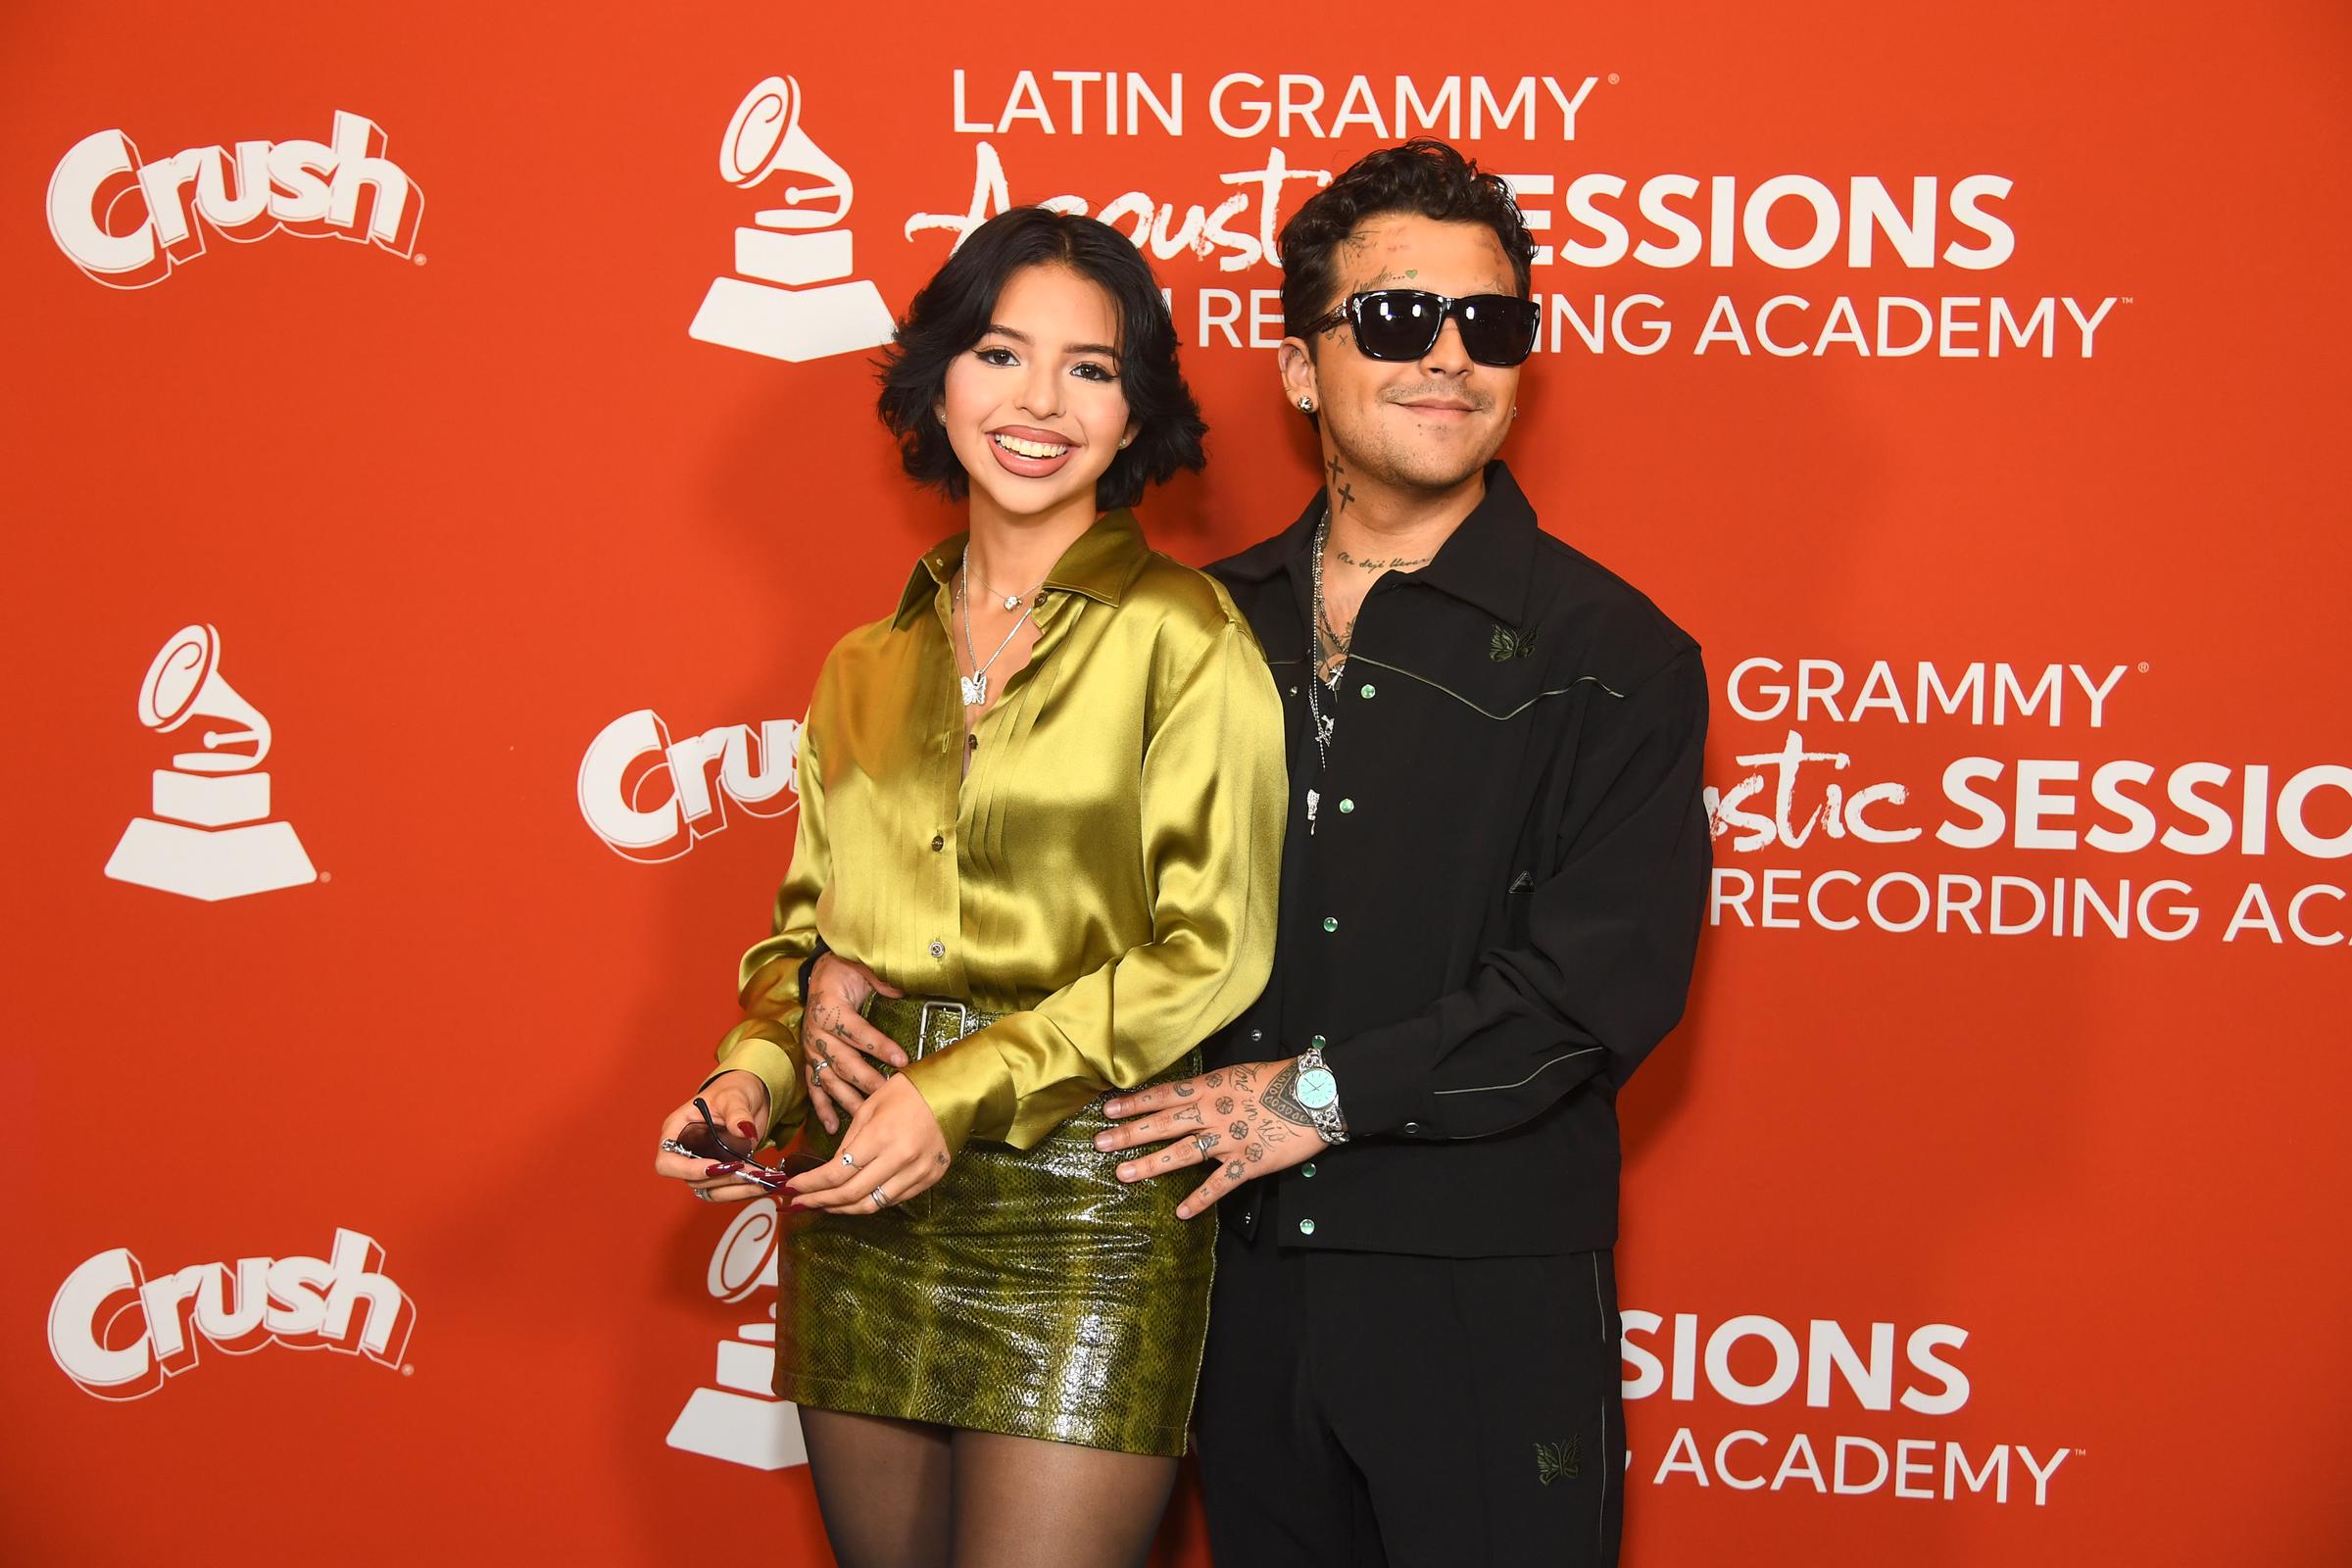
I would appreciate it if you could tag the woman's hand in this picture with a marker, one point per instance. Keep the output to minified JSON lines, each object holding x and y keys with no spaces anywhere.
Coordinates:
{"x":837,"y":1043}
{"x":738,"y":1103}
{"x":893,"y":1151}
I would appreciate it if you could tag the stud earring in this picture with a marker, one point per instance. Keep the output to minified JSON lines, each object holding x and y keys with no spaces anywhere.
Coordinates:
{"x":1306,"y":405}
{"x":942,"y":415}
{"x":1124,"y":441}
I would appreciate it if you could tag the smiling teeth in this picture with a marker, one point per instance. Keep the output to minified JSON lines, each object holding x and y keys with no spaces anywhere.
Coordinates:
{"x":1028,"y":449}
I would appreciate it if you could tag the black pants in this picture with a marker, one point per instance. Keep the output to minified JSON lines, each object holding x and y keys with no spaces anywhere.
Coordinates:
{"x":1363,"y":1408}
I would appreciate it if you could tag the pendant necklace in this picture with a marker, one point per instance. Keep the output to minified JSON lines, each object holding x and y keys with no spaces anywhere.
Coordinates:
{"x":1315,"y":677}
{"x":1011,"y":601}
{"x":975,"y":685}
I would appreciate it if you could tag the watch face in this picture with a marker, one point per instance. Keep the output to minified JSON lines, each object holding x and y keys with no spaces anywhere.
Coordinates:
{"x":1316,"y":1089}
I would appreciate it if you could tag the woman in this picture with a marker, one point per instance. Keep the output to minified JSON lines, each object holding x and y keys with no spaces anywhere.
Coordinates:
{"x":1041,"y":820}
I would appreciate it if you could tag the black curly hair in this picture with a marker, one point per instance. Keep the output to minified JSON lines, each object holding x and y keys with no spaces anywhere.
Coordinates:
{"x":1425,"y":176}
{"x":952,"y":312}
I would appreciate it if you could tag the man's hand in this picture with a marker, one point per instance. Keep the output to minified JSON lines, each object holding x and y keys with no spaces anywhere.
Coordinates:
{"x":837,"y":1041}
{"x":1246,"y":1121}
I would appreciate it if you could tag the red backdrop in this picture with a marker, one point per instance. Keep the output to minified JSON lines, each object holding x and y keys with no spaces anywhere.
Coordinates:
{"x":1943,"y":1244}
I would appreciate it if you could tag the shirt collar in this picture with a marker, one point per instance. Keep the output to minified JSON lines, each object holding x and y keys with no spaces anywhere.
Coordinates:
{"x":1100,"y":564}
{"x":1483,"y":562}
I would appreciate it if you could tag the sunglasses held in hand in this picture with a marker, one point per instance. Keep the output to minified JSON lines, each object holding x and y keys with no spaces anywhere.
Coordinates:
{"x":707,"y":1140}
{"x":1403,"y":324}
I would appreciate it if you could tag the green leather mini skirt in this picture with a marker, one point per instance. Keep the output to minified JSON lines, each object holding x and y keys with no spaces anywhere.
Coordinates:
{"x":1030,"y":1292}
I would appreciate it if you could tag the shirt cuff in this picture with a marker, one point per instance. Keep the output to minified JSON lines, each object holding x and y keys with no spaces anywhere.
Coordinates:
{"x":1380,"y":1093}
{"x":772,"y":1065}
{"x":967,"y":1088}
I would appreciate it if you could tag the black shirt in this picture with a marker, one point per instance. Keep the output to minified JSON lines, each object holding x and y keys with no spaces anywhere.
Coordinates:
{"x":1494,"y":916}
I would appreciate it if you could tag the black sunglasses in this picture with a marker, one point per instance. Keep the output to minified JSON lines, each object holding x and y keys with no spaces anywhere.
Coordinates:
{"x":1403,"y":324}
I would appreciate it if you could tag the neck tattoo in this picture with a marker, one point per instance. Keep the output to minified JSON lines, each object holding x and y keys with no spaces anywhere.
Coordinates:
{"x":1392,"y":564}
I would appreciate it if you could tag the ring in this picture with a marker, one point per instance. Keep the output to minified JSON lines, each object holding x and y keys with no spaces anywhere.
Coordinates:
{"x":849,"y":1159}
{"x":880,"y":1196}
{"x":818,"y":1071}
{"x":704,"y":1194}
{"x":1200,"y":1141}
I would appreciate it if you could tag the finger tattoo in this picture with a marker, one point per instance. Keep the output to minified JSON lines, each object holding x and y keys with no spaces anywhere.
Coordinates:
{"x":1189,"y":1117}
{"x":1183,"y":1090}
{"x":1234,"y":1171}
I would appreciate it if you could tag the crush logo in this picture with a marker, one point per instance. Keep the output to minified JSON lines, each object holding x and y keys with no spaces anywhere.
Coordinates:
{"x":119,"y":1335}
{"x":127,"y":223}
{"x":650,"y":798}
{"x":740,"y":1420}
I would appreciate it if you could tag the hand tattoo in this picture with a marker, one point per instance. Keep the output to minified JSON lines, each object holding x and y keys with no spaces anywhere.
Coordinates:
{"x":1279,"y":1098}
{"x":1255,"y":1153}
{"x":1183,"y":1090}
{"x":1189,"y":1117}
{"x":1224,"y":1105}
{"x":1240,"y":1130}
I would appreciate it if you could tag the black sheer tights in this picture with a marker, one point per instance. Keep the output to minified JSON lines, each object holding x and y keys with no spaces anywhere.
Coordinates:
{"x":907,"y":1494}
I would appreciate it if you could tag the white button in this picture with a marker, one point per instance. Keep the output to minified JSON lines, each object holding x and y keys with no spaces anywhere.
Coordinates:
{"x":939,"y":950}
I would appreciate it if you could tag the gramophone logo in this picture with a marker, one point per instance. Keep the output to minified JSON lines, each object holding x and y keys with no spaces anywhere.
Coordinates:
{"x":740,"y":1420}
{"x":795,"y":298}
{"x":211,"y":837}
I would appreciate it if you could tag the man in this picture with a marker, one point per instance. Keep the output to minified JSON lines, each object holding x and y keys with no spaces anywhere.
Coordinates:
{"x":1492,"y":892}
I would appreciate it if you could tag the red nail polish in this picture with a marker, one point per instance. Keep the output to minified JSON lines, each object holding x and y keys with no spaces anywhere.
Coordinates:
{"x":747,"y":1129}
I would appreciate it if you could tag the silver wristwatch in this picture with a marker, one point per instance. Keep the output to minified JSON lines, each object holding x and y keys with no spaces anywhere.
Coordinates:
{"x":1319,"y":1092}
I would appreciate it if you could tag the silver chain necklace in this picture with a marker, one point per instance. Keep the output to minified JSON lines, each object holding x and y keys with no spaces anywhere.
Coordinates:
{"x":1315,"y":677}
{"x":975,"y":685}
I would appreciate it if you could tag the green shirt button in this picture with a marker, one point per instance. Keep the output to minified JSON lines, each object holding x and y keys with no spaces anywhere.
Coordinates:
{"x":1366,"y":693}
{"x":1306,"y":1227}
{"x":1331,"y":922}
{"x":1307,"y":1170}
{"x":1346,"y":807}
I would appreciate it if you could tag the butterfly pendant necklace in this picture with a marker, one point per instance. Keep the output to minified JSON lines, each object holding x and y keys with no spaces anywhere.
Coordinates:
{"x":975,"y":685}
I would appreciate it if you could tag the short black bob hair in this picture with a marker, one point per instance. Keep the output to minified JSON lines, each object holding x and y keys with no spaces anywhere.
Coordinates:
{"x":954,"y":312}
{"x":1424,"y":176}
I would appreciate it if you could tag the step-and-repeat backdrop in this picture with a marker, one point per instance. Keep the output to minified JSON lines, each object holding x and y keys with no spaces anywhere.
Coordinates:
{"x":442,"y":449}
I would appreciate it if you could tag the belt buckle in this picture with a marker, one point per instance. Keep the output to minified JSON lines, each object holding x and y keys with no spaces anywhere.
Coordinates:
{"x":922,"y":1027}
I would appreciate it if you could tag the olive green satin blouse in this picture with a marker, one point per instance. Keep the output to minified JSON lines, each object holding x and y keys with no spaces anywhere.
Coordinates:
{"x":1104,"y":875}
